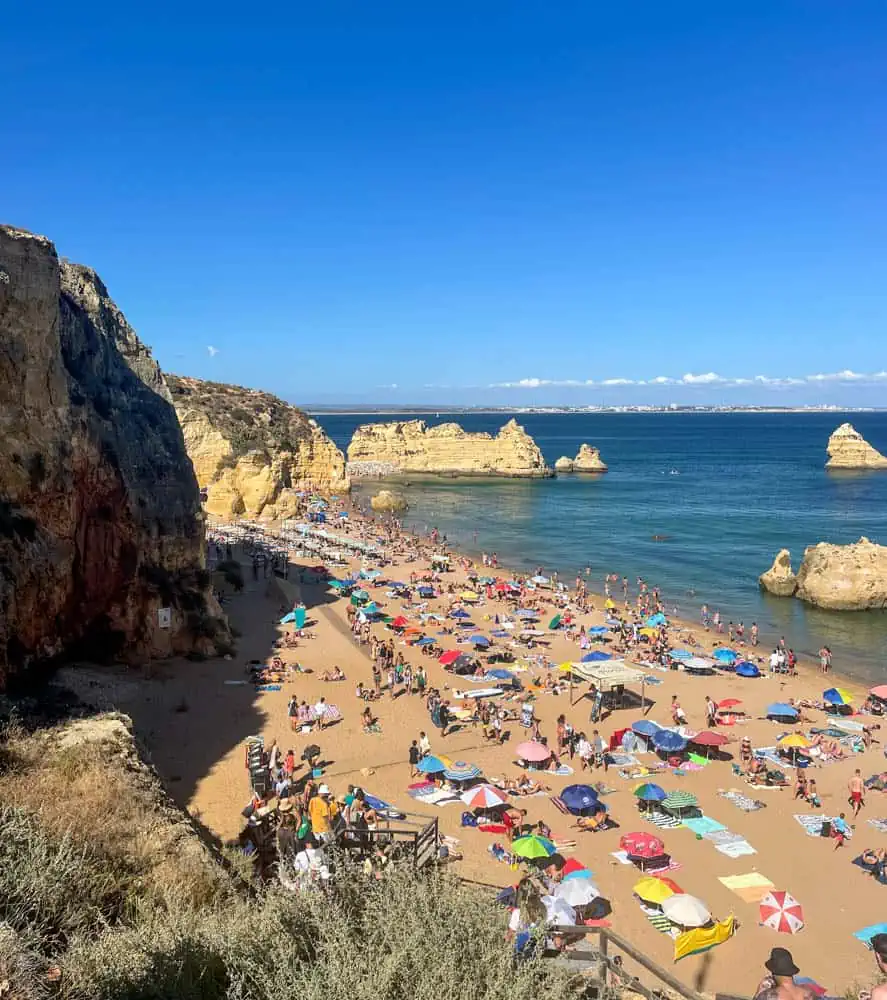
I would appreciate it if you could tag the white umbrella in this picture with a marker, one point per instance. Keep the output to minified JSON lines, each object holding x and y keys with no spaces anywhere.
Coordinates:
{"x":558,"y":912}
{"x":577,"y":891}
{"x":688,"y":911}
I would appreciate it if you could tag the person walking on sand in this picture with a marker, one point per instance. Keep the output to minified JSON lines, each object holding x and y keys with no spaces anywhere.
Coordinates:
{"x":856,"y":787}
{"x":711,"y":712}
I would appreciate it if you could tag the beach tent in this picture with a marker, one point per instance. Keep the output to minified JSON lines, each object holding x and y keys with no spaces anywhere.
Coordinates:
{"x":701,"y":939}
{"x":747,"y":669}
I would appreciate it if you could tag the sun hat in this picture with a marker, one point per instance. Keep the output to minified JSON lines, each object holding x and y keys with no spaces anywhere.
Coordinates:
{"x":781,"y":963}
{"x":323,"y":790}
{"x":286,"y":805}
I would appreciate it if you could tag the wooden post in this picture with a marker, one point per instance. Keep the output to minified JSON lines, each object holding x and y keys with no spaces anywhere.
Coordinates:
{"x":605,"y":964}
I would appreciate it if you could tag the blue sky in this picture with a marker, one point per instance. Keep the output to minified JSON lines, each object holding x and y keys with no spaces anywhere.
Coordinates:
{"x":471,"y":202}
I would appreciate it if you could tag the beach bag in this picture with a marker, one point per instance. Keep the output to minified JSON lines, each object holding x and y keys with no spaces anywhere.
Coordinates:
{"x":826,"y":830}
{"x":435,"y":717}
{"x":469,"y":819}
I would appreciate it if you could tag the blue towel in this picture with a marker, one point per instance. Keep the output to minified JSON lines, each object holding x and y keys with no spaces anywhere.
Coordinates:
{"x":703,"y":824}
{"x":867,"y":933}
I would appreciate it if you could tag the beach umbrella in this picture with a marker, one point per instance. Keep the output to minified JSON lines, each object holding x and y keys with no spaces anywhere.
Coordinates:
{"x":501,"y":674}
{"x":688,"y":911}
{"x":781,"y":912}
{"x":400,"y":622}
{"x":724,"y":655}
{"x":656,"y":620}
{"x":747,"y":669}
{"x":648,"y":632}
{"x":575,"y":869}
{"x":462,"y":771}
{"x":450,"y":656}
{"x":837,"y":696}
{"x":656,"y":889}
{"x":796,"y":741}
{"x":484,"y":797}
{"x":479,"y":640}
{"x":555,"y":622}
{"x":558,"y":912}
{"x":782,"y":710}
{"x":729,"y":703}
{"x":598,"y":630}
{"x":670,"y":742}
{"x":675,"y":801}
{"x":879,"y":692}
{"x":532,"y":847}
{"x":459,"y":613}
{"x":372,"y":609}
{"x":596,"y":656}
{"x":648,"y":792}
{"x":577,"y":891}
{"x":645,"y":727}
{"x":642,"y":845}
{"x":710,"y":739}
{"x":532,"y":751}
{"x":430,"y":764}
{"x":461,"y":662}
{"x":698,"y":663}
{"x":578,"y":798}
{"x":426,"y":640}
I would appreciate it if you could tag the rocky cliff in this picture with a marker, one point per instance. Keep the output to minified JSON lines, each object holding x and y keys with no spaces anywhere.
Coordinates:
{"x":100,"y":521}
{"x":251,"y":451}
{"x":780,"y":578}
{"x":844,"y":577}
{"x":413,"y":447}
{"x":848,"y":449}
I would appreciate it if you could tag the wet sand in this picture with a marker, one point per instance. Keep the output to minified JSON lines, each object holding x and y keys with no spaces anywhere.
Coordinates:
{"x":194,"y":726}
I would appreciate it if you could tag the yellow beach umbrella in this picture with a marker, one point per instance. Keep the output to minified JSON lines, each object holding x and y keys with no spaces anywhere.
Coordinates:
{"x":609,"y":603}
{"x":650,"y":632}
{"x":797,"y":740}
{"x":566,"y":667}
{"x":653,"y":890}
{"x":468,"y":595}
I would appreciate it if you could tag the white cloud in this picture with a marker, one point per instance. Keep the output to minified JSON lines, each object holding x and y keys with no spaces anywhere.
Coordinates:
{"x":709,"y":378}
{"x":620,"y":381}
{"x":701,"y":379}
{"x":212,"y":351}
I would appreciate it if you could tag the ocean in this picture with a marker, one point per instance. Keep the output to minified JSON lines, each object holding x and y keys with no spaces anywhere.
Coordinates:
{"x":723,"y":491}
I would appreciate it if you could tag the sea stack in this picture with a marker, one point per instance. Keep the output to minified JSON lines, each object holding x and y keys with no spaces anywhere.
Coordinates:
{"x":101,"y":531}
{"x":848,"y":449}
{"x":253,"y":453}
{"x":412,"y":447}
{"x":844,"y":577}
{"x":589,"y":460}
{"x":780,"y":579}
{"x":563,"y":464}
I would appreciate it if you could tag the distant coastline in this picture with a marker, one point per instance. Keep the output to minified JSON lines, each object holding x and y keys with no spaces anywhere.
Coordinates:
{"x":369,"y":409}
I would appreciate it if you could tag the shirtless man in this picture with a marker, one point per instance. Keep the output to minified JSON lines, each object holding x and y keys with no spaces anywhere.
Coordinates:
{"x":879,"y":950}
{"x":857,"y":792}
{"x":779,"y":984}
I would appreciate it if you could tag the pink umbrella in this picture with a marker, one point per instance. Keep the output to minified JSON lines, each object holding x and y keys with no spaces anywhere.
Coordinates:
{"x":532,"y":751}
{"x":880,"y":692}
{"x":781,"y":912}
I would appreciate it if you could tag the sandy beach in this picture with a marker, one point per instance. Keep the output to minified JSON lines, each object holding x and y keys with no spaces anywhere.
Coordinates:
{"x":194,"y":725}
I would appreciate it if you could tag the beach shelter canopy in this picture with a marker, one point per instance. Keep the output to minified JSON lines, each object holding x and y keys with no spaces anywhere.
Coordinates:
{"x":670,"y":742}
{"x":430,"y":764}
{"x":612,"y":673}
{"x":642,"y":845}
{"x":782,"y":710}
{"x":461,"y":771}
{"x":781,"y":912}
{"x":578,"y":798}
{"x":837,"y":696}
{"x":656,"y":889}
{"x":649,"y":792}
{"x":532,"y":751}
{"x":686,"y":910}
{"x":484,"y":797}
{"x":532,"y":847}
{"x":710,"y":739}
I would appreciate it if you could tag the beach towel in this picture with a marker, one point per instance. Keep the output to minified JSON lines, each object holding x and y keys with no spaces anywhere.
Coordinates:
{"x":867,"y":933}
{"x":661,"y":922}
{"x":619,"y":759}
{"x":699,"y":759}
{"x":662,"y":821}
{"x":736,"y":849}
{"x":672,"y":866}
{"x":269,"y":687}
{"x":812,"y":825}
{"x":750,"y":888}
{"x":879,"y":824}
{"x":723,"y":837}
{"x":621,"y":857}
{"x":559,"y":805}
{"x":703,"y":824}
{"x":741,"y":801}
{"x":440,"y":797}
{"x":690,"y":766}
{"x":564,"y":769}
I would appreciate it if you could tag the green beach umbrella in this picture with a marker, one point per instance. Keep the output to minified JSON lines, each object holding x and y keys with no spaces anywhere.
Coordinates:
{"x":532,"y":847}
{"x":553,"y":624}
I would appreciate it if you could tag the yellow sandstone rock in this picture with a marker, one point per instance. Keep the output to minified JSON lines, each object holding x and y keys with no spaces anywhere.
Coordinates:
{"x":413,"y":447}
{"x":589,"y":460}
{"x":386,"y":502}
{"x":780,"y":578}
{"x":848,"y":449}
{"x":844,"y":577}
{"x":252,"y":452}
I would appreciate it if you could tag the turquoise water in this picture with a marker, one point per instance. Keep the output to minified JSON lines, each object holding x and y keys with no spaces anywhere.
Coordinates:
{"x":747,"y":484}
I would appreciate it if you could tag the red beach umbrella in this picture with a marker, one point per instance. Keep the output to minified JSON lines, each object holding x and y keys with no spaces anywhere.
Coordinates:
{"x":572,"y":865}
{"x":450,"y":656}
{"x":710,"y":739}
{"x":729,"y":703}
{"x":781,"y":912}
{"x":400,"y":622}
{"x":642,"y":845}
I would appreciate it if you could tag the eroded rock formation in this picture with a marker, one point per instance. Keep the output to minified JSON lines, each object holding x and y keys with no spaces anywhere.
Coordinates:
{"x":563,"y":464}
{"x":589,"y":460}
{"x":387,"y":502}
{"x":848,"y":449}
{"x":844,"y":577}
{"x":411,"y":446}
{"x":780,"y":578}
{"x":100,"y":520}
{"x":251,"y":451}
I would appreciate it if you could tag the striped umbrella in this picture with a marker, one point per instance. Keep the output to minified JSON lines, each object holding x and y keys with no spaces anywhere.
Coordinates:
{"x":781,"y":912}
{"x":679,"y":800}
{"x":484,"y":797}
{"x":462,"y":771}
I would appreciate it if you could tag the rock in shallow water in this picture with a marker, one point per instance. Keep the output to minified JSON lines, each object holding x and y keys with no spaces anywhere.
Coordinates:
{"x":848,"y":449}
{"x":780,"y":578}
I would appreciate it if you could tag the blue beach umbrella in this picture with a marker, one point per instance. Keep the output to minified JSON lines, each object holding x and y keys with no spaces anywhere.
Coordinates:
{"x":668,"y":741}
{"x":461,"y":771}
{"x":459,"y":613}
{"x":500,"y":674}
{"x":724,"y":655}
{"x":479,"y":640}
{"x":655,"y":620}
{"x":578,"y":798}
{"x":645,"y":727}
{"x":782,"y":710}
{"x":648,"y":792}
{"x":747,"y":669}
{"x":430,"y":764}
{"x":598,"y":630}
{"x":595,"y":656}
{"x":426,"y":640}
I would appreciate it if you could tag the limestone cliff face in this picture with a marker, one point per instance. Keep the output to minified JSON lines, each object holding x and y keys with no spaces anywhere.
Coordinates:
{"x":844,"y":577}
{"x":413,"y":447}
{"x":780,"y":578}
{"x":589,"y":460}
{"x":100,"y":521}
{"x":251,"y":451}
{"x":848,"y":449}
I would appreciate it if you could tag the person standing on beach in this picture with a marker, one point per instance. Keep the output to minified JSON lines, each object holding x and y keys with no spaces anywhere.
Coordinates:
{"x":415,"y":755}
{"x":754,"y":633}
{"x":856,"y":787}
{"x":825,"y":659}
